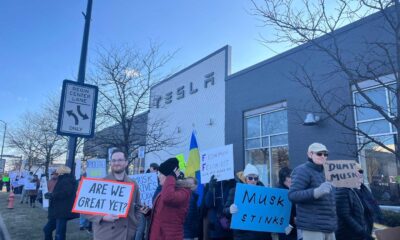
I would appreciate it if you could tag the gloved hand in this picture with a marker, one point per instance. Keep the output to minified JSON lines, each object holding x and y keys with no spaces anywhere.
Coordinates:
{"x":288,"y":229}
{"x":233,"y":209}
{"x":212,"y":183}
{"x":323,"y":189}
{"x":47,"y":195}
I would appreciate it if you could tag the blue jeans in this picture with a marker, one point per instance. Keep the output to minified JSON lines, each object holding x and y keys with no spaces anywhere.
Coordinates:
{"x":60,"y":225}
{"x":83,"y":222}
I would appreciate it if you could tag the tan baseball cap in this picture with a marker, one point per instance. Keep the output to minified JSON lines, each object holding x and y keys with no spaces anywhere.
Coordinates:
{"x":317,"y":147}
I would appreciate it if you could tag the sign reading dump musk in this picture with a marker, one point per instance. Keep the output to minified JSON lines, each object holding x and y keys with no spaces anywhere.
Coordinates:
{"x":342,"y":173}
{"x":261,"y":209}
{"x":103,"y":197}
{"x":148,"y":184}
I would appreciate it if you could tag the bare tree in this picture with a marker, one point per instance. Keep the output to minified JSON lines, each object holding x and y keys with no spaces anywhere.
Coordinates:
{"x":316,"y":23}
{"x":124,"y":76}
{"x":36,"y":137}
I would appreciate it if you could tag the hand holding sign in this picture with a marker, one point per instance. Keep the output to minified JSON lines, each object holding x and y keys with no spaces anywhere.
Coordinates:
{"x":233,"y":209}
{"x":110,"y":218}
{"x":323,"y":189}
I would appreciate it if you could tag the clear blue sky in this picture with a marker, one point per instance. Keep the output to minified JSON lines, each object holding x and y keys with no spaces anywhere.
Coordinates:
{"x":40,"y":40}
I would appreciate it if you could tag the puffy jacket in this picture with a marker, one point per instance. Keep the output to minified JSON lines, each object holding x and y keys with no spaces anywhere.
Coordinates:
{"x":318,"y":215}
{"x":352,"y":221}
{"x":62,"y":198}
{"x":169,"y":210}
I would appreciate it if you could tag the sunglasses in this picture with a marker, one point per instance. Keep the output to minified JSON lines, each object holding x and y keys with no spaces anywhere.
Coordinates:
{"x":252,"y":178}
{"x":361,"y":171}
{"x":319,"y":154}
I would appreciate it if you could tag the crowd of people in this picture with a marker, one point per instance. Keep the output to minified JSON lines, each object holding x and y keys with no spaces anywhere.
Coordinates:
{"x":319,"y":210}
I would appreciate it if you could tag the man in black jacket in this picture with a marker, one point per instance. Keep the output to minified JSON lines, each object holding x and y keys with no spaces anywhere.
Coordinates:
{"x":314,"y":196}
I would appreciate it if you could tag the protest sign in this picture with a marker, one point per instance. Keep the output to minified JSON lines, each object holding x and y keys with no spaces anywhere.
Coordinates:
{"x":43,"y":185}
{"x":96,"y":168}
{"x":30,"y":185}
{"x":103,"y":197}
{"x":261,"y":209}
{"x":342,"y":173}
{"x":147,"y":184}
{"x":217,"y":162}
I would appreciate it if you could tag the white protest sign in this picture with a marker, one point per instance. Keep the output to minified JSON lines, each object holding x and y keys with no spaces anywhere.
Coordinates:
{"x":43,"y":184}
{"x":96,"y":168}
{"x":30,"y":185}
{"x":342,"y":173}
{"x":147,"y":184}
{"x":103,"y":197}
{"x":217,"y":162}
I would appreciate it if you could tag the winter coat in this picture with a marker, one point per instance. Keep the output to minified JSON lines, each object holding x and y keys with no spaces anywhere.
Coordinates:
{"x":318,"y":215}
{"x":215,"y":199}
{"x":293,"y":233}
{"x":243,"y":234}
{"x":352,"y":221}
{"x":192,"y":221}
{"x":123,"y":228}
{"x":169,"y":210}
{"x":62,"y":198}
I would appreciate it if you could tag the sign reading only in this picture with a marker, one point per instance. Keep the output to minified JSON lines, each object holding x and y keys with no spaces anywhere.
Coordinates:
{"x":77,"y":113}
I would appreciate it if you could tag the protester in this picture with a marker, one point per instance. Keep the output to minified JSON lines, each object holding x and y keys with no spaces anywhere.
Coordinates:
{"x":61,"y":201}
{"x":250,"y":175}
{"x":33,"y":192}
{"x":26,"y":180}
{"x":314,"y":196}
{"x":192,"y":221}
{"x":6,"y":181}
{"x":356,"y":209}
{"x":284,"y":182}
{"x":171,"y":204}
{"x":1,"y":183}
{"x":154,"y":167}
{"x":52,"y":181}
{"x":111,"y":226}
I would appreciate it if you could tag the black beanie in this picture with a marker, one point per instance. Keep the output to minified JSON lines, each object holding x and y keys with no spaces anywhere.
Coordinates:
{"x":168,"y":167}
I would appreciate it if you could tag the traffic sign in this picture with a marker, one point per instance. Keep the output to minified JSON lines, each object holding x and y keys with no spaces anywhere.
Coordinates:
{"x":77,"y":113}
{"x":141,"y":152}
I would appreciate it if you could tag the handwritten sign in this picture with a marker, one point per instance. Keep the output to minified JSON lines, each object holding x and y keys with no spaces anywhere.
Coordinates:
{"x":147,"y":184}
{"x":30,"y":185}
{"x":218,"y":162}
{"x":96,"y":168}
{"x":342,"y":173}
{"x":261,"y":209}
{"x":102,"y":197}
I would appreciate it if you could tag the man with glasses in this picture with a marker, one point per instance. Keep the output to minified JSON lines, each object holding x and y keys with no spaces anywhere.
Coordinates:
{"x":314,"y":196}
{"x":111,"y":226}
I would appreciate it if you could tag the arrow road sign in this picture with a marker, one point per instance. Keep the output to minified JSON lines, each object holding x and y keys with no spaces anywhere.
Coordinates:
{"x":77,"y":113}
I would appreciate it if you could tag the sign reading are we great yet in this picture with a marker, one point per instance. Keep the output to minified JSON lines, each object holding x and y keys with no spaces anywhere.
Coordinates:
{"x":217,"y":162}
{"x":261,"y":209}
{"x":103,"y":197}
{"x":342,"y":173}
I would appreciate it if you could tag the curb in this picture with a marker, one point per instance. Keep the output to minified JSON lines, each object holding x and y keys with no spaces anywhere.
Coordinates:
{"x":4,"y":235}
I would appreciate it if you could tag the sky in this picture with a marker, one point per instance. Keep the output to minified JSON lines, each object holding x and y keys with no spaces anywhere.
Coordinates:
{"x":40,"y":40}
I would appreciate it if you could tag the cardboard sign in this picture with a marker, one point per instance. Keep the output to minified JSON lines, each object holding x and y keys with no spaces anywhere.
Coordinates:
{"x":96,"y":168}
{"x":342,"y":173}
{"x":147,"y":184}
{"x":103,"y":197}
{"x":261,"y":209}
{"x":217,"y":162}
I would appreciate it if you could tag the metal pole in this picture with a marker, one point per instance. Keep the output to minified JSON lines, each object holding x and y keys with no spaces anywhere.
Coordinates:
{"x":4,"y":138}
{"x":81,"y":79}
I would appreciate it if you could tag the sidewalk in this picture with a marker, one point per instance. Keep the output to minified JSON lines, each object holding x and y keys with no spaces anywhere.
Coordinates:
{"x":24,"y":222}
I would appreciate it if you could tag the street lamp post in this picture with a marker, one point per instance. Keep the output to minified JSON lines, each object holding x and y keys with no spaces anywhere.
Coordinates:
{"x":4,"y":138}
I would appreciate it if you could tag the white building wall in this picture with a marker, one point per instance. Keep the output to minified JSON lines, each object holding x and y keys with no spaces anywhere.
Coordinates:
{"x":202,"y":111}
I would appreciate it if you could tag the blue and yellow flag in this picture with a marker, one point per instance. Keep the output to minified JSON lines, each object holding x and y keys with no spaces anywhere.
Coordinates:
{"x":193,"y":166}
{"x":193,"y":163}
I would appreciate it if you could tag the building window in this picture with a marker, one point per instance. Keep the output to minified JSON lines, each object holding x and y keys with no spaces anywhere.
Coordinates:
{"x":266,"y":141}
{"x":381,"y":170}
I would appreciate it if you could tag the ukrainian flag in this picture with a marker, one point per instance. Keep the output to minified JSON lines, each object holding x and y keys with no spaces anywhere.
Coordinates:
{"x":193,"y":166}
{"x":193,"y":163}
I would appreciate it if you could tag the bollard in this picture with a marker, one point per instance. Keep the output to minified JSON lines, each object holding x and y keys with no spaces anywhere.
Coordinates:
{"x":11,"y":200}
